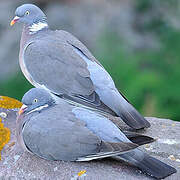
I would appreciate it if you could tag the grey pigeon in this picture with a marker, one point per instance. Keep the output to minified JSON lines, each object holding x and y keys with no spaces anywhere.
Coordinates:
{"x":66,"y":132}
{"x":60,"y":63}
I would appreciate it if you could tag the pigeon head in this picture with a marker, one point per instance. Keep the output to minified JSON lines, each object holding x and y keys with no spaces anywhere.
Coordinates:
{"x":36,"y":100}
{"x":30,"y":15}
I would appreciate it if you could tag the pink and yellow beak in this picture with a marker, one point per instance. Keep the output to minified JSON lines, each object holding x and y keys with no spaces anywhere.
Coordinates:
{"x":16,"y":18}
{"x":22,"y":109}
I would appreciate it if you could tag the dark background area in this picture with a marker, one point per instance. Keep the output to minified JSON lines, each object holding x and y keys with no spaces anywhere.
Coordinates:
{"x":137,"y":41}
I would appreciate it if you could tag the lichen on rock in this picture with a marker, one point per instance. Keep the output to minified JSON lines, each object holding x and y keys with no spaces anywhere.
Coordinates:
{"x":9,"y":103}
{"x":6,"y":103}
{"x":4,"y":136}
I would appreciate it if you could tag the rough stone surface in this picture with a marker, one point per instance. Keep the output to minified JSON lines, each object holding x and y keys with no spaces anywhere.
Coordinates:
{"x":21,"y":165}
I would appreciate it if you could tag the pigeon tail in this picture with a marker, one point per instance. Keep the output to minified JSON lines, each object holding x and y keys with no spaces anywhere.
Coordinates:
{"x":139,"y":139}
{"x":130,"y":115}
{"x":148,"y":164}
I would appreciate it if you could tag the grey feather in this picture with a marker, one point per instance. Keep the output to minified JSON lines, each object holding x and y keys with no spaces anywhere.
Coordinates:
{"x":147,"y":164}
{"x":137,"y":138}
{"x":59,"y":135}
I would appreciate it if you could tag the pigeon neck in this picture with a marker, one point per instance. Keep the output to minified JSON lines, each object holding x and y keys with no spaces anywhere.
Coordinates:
{"x":28,"y":34}
{"x":35,"y":28}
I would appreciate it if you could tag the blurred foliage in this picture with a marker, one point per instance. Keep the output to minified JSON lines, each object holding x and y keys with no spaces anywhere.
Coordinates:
{"x":15,"y":87}
{"x":148,"y":77}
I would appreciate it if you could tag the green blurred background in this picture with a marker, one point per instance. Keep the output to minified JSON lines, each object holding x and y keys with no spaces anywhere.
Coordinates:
{"x":137,"y":41}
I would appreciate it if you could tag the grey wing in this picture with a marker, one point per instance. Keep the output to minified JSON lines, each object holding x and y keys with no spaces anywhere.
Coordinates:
{"x":67,"y":138}
{"x":107,"y":130}
{"x":104,"y":86}
{"x":62,"y":71}
{"x":57,"y":68}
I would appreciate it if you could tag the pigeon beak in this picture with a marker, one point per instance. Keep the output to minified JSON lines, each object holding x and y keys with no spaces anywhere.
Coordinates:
{"x":16,"y":18}
{"x":23,"y":108}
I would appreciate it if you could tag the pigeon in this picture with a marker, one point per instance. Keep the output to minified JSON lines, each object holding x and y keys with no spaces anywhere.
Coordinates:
{"x":61,"y":131}
{"x":58,"y":62}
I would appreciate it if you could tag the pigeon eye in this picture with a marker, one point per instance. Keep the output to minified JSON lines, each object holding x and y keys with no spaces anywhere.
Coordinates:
{"x":27,"y":13}
{"x":35,"y":100}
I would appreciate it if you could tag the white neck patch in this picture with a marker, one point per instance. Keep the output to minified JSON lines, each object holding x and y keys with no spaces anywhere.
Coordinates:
{"x":38,"y":109}
{"x":35,"y":27}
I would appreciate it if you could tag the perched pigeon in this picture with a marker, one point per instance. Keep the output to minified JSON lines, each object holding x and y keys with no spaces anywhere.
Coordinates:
{"x":70,"y":133}
{"x":60,"y":63}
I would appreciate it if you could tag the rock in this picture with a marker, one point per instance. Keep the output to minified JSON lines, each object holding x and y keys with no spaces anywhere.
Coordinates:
{"x":23,"y":165}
